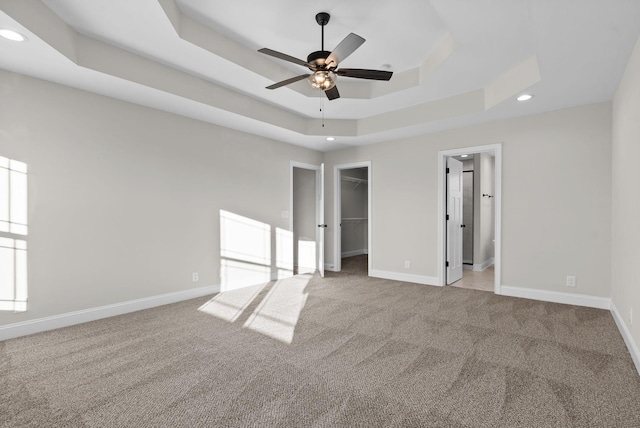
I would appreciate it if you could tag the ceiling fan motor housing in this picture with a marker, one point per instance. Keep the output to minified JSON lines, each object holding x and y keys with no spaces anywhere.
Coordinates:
{"x":318,"y":58}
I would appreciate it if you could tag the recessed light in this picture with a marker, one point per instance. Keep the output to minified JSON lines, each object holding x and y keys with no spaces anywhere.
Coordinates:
{"x":464,"y":156}
{"x":12,"y":35}
{"x":524,"y":97}
{"x":331,"y":138}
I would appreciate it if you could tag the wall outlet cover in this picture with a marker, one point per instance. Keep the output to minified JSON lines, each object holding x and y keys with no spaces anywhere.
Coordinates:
{"x":571,"y":281}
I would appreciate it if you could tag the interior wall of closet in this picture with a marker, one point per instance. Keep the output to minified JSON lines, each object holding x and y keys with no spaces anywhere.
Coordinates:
{"x":354,"y":203}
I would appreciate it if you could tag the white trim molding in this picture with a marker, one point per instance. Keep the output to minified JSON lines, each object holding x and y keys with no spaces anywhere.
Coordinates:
{"x":354,"y":253}
{"x":557,"y":297}
{"x":404,"y":277}
{"x":626,"y":335}
{"x":39,"y":325}
{"x":479,"y":267}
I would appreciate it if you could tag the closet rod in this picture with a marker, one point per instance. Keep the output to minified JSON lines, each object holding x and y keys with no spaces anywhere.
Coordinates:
{"x":358,"y":181}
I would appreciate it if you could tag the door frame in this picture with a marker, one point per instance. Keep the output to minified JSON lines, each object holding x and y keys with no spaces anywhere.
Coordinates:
{"x":337,"y":209}
{"x":496,"y":151}
{"x":317,"y":169}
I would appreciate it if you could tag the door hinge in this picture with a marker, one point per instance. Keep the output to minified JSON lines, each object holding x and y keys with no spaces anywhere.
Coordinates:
{"x":447,"y":265}
{"x":447,"y":170}
{"x":447,"y":217}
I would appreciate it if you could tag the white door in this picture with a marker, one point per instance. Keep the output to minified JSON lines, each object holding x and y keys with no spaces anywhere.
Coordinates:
{"x":321,"y":224}
{"x":454,"y":220}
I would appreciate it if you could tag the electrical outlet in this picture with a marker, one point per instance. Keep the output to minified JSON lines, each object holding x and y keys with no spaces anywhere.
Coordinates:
{"x":194,"y":277}
{"x":571,"y":281}
{"x":407,"y":264}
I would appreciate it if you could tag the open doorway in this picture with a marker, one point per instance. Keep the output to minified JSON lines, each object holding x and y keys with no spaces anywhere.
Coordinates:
{"x":352,"y":204}
{"x":469,"y":250}
{"x":305,"y":217}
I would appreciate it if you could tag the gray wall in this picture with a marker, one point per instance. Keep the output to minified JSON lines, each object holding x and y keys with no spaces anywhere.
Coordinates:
{"x":485,"y":253}
{"x":626,"y":197}
{"x":483,"y":166}
{"x":561,"y":193}
{"x":125,"y":201}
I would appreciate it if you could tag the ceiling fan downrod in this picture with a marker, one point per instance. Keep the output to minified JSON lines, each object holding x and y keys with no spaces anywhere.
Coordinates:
{"x":322,"y":19}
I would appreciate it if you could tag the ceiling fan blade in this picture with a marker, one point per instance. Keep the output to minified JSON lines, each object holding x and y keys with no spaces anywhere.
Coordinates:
{"x":345,"y":48}
{"x":288,"y":81}
{"x":361,"y":73}
{"x":332,"y":93}
{"x":285,"y":57}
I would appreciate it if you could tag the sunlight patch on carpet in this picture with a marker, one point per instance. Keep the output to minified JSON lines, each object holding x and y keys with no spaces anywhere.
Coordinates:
{"x":271,"y":309}
{"x":278,"y":313}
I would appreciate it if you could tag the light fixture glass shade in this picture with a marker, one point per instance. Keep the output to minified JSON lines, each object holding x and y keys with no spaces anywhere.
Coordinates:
{"x":323,"y":80}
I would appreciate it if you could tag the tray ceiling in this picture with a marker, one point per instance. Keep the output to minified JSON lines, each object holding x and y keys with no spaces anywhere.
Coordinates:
{"x":455,"y":62}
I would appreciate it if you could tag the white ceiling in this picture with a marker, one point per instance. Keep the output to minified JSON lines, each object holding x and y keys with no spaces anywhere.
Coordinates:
{"x":455,"y":62}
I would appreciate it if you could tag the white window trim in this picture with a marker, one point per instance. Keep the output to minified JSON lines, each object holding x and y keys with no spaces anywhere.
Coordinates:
{"x":13,"y":240}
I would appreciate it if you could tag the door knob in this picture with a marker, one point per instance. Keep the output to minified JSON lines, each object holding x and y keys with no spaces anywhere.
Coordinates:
{"x":463,"y":225}
{"x":322,"y":225}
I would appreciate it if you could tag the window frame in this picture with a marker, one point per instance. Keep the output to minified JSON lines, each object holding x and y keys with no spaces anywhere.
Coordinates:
{"x":13,"y":234}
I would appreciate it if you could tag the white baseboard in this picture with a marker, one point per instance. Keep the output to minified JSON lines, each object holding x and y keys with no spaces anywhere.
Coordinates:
{"x":78,"y":317}
{"x":354,"y":253}
{"x":626,"y":335}
{"x":406,"y":277}
{"x":557,"y":297}
{"x":479,"y":267}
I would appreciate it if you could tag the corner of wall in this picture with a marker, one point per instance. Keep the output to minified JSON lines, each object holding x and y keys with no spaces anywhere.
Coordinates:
{"x":626,"y":335}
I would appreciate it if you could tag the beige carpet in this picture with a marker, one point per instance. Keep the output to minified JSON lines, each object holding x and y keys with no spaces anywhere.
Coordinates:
{"x":344,"y":351}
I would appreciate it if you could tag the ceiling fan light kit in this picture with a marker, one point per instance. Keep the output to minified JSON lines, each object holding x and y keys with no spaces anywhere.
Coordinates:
{"x":324,"y":64}
{"x":323,"y":80}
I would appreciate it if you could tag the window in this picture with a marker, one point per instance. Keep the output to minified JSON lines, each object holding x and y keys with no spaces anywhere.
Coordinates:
{"x":13,"y":232}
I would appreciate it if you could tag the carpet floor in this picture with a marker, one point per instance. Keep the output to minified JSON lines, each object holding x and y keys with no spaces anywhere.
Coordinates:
{"x":343,"y":351}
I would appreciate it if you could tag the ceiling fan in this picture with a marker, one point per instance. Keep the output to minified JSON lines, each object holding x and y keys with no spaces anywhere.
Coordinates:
{"x":324,"y":64}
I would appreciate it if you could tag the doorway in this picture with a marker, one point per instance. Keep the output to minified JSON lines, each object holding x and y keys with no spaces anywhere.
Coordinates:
{"x":479,"y":241}
{"x":352,"y":213}
{"x":468,"y":205}
{"x":306,"y":215}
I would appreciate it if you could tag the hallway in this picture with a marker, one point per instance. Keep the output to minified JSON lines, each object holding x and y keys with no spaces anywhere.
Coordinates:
{"x":475,"y":280}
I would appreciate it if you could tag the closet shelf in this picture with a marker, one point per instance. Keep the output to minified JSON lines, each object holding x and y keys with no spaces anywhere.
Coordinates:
{"x":357,"y":181}
{"x":355,"y":221}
